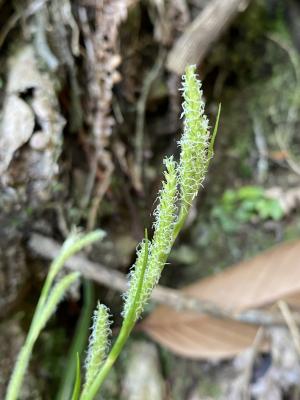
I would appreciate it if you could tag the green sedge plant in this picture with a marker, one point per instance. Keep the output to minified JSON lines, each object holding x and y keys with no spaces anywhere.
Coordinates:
{"x":181,"y":184}
{"x":51,"y":295}
{"x":182,"y":181}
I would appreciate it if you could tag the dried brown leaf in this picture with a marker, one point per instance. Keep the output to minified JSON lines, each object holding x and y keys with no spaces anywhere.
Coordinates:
{"x":256,"y":283}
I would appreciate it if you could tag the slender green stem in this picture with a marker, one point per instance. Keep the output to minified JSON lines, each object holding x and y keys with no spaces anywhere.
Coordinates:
{"x":112,"y":357}
{"x":124,"y":333}
{"x":213,"y":137}
{"x":22,"y":362}
{"x":76,"y":390}
{"x":129,"y":322}
{"x":179,"y":223}
{"x":19,"y":371}
{"x":56,"y":265}
{"x":78,"y":343}
{"x":23,"y":359}
{"x":48,"y":300}
{"x":72,"y":245}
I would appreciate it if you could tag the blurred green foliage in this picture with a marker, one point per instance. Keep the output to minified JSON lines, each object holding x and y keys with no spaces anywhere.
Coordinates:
{"x":246,"y":204}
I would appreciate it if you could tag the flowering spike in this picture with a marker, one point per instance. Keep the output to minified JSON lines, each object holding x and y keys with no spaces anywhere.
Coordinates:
{"x":163,"y":238}
{"x":195,"y":139}
{"x":98,"y":343}
{"x":136,"y":278}
{"x":196,"y":151}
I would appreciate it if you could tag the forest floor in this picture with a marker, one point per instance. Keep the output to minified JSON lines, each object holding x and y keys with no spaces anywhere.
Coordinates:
{"x":94,"y":106}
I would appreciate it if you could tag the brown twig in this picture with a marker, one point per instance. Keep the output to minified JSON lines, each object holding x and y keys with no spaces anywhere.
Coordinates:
{"x":254,"y":351}
{"x":13,"y":20}
{"x":49,"y":249}
{"x":196,"y":41}
{"x":291,"y":323}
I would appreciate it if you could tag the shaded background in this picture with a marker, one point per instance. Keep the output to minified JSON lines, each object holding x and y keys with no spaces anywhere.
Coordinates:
{"x":89,"y":107}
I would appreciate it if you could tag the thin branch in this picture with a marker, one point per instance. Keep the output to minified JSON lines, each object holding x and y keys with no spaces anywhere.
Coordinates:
{"x":291,"y":323}
{"x":193,"y":45}
{"x":13,"y":20}
{"x":48,"y":249}
{"x":248,"y":370}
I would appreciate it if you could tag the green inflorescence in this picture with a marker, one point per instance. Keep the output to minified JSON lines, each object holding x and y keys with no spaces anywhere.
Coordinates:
{"x":98,"y":343}
{"x":135,"y":277}
{"x":195,"y":139}
{"x":180,"y":186}
{"x":165,"y":216}
{"x":182,"y":181}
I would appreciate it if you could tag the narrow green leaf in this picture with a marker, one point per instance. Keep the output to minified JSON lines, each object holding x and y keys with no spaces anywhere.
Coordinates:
{"x":76,"y":391}
{"x":133,"y":295}
{"x":78,"y":342}
{"x":47,"y":303}
{"x":36,"y":327}
{"x":74,"y":243}
{"x":214,"y":134}
{"x":55,"y":296}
